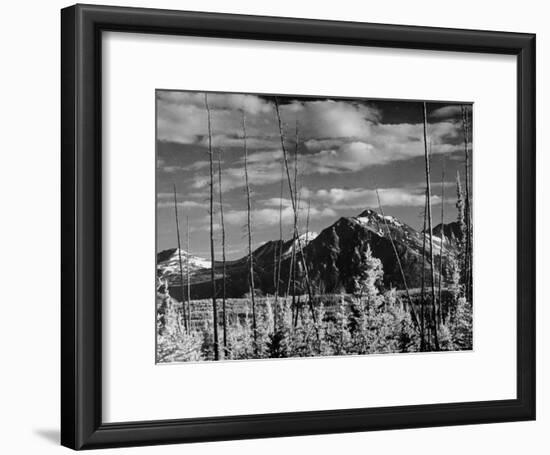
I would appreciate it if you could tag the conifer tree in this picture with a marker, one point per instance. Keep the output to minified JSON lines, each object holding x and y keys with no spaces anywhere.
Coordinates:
{"x":442,"y":236}
{"x":467,"y":205}
{"x":462,"y":231}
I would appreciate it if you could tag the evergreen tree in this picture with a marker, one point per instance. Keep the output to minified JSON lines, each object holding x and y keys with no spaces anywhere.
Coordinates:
{"x":367,"y":300}
{"x":462,"y":327}
{"x":462,"y":231}
{"x":340,"y":337}
{"x":368,"y":273}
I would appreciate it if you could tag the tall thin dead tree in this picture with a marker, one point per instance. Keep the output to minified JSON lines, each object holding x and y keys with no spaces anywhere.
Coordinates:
{"x":423,"y":286}
{"x":307,"y":219}
{"x":398,"y":259}
{"x":188,"y":275}
{"x":294,"y":208}
{"x":467,"y":204}
{"x":222,"y":225}
{"x":184,"y":315}
{"x":442,"y":249}
{"x":249,"y":231}
{"x":307,"y":237}
{"x":280,"y":256}
{"x":292,"y":268}
{"x":212,"y":253}
{"x":430,"y":227}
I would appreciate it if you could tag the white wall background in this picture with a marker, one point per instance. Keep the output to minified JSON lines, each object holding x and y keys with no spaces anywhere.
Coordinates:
{"x":29,"y":231}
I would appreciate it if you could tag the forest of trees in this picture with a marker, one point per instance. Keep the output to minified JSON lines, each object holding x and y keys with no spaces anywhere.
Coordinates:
{"x":302,"y":321}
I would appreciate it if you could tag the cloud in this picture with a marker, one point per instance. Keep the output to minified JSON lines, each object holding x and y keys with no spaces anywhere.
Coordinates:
{"x":263,"y":168}
{"x":167,"y":200}
{"x":197,"y":165}
{"x":331,"y":119}
{"x":205,"y":227}
{"x":450,"y":112}
{"x":251,"y":104}
{"x":339,"y":136}
{"x":386,"y":143}
{"x":275,"y":202}
{"x":269,"y":216}
{"x":180,"y":123}
{"x":360,"y":198}
{"x":263,"y":157}
{"x":223,"y":141}
{"x":182,"y":118}
{"x":181,"y":204}
{"x":348,"y":157}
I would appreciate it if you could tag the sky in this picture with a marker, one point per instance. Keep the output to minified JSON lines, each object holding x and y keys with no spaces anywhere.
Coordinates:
{"x":345,"y":149}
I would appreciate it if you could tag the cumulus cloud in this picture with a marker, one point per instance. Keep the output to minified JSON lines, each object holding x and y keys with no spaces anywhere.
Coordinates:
{"x":251,"y":104}
{"x":269,"y":216}
{"x":361,"y":198}
{"x":180,"y":123}
{"x":352,"y":156}
{"x":449,"y":112}
{"x":332,"y":119}
{"x":263,"y":168}
{"x":182,"y":118}
{"x":386,"y":143}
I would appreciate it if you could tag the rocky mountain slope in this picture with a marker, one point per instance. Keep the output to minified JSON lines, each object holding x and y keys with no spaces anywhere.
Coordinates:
{"x":333,"y":258}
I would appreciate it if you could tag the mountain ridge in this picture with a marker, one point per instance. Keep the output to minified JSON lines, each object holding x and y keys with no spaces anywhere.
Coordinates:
{"x":333,"y":259}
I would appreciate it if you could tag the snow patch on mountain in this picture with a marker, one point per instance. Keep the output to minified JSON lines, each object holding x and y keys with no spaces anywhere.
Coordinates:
{"x":170,"y":267}
{"x":308,"y":236}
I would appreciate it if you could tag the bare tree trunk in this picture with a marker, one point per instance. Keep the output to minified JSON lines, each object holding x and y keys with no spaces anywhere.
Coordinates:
{"x":188,"y":276}
{"x":249,"y":229}
{"x":429,"y":191}
{"x":294,"y":208}
{"x":441,"y":251}
{"x":212,"y":253}
{"x":307,"y":235}
{"x":278,"y":279}
{"x":307,"y":220}
{"x":412,"y":309}
{"x":180,"y":261}
{"x":467,"y":204}
{"x":277,"y":261}
{"x":423,"y":288}
{"x":224,"y":316}
{"x":292,"y":269}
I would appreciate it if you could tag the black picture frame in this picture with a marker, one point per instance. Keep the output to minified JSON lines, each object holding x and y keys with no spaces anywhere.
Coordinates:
{"x":81,"y":221}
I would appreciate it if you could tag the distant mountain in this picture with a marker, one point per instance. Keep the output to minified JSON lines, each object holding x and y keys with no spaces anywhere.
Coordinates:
{"x":333,"y":259}
{"x":450,"y":230}
{"x":168,"y":267}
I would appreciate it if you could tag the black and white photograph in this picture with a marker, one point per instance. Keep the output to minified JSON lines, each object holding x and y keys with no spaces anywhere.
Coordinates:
{"x":291,"y":226}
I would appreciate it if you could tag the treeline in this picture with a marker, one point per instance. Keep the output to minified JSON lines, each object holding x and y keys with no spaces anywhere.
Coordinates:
{"x":367,"y":321}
